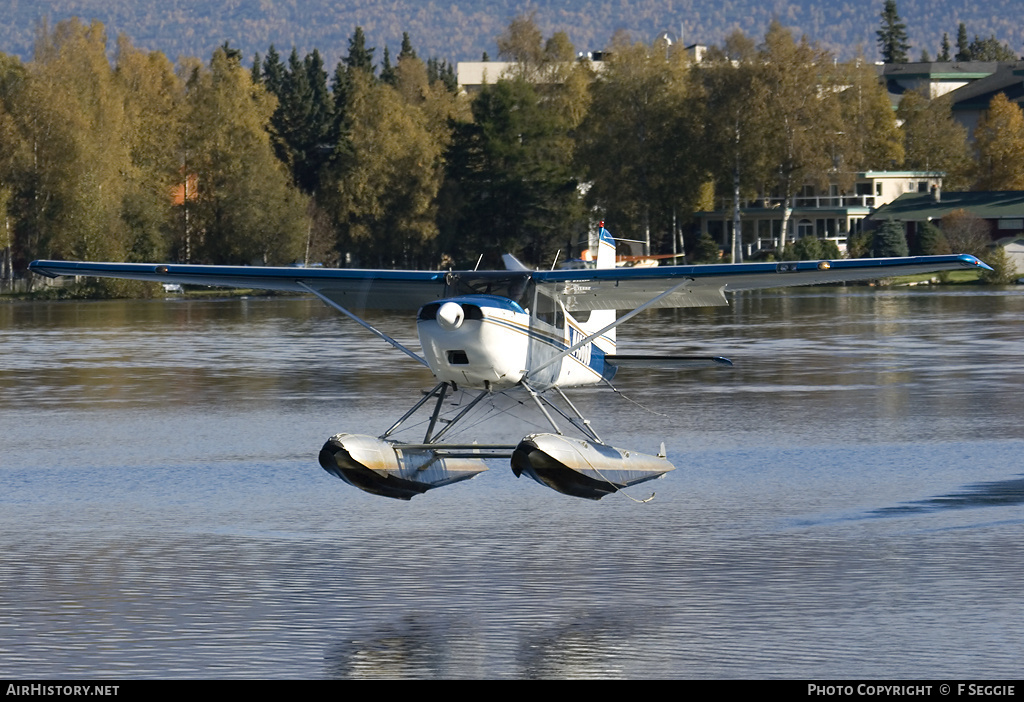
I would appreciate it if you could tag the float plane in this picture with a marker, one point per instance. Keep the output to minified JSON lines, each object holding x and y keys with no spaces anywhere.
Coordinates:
{"x":514,"y":330}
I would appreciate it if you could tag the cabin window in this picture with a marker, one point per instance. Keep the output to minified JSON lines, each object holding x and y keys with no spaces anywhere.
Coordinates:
{"x":548,"y":310}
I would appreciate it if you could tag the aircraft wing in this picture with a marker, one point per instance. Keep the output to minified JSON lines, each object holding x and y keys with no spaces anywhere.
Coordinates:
{"x":351,"y":288}
{"x":618,"y":288}
{"x":704,"y":286}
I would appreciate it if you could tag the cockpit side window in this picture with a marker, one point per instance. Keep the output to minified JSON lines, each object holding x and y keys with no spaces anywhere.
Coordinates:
{"x":548,"y":310}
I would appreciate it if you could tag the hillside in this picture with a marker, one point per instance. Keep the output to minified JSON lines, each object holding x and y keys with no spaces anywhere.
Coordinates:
{"x":460,"y":30}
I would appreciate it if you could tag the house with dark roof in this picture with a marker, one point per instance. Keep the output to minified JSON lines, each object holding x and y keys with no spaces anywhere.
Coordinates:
{"x":969,"y":85}
{"x":1002,"y":210}
{"x":937,"y":78}
{"x":972,"y":100}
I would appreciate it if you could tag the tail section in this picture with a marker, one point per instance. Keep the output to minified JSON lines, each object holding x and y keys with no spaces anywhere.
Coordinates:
{"x":602,"y":318}
{"x":605,"y":249}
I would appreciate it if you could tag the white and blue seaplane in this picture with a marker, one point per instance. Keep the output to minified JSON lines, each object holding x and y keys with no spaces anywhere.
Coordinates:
{"x":514,"y":330}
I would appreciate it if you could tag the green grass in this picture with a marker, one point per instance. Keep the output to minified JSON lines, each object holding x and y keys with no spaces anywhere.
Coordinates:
{"x":944,"y":278}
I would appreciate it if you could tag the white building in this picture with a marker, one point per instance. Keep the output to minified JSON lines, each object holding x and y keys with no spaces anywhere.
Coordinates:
{"x":833,"y":213}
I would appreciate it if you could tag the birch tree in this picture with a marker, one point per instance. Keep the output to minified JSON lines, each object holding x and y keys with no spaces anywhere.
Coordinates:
{"x":999,"y":138}
{"x":735,"y":135}
{"x":934,"y":141}
{"x":638,"y":143}
{"x":14,"y":160}
{"x":869,"y":138}
{"x":154,"y":111}
{"x":246,"y":210}
{"x":804,"y":114}
{"x":384,"y":195}
{"x":74,"y":116}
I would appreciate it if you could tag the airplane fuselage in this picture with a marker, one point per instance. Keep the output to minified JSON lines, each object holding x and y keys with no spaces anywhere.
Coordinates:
{"x":491,"y":342}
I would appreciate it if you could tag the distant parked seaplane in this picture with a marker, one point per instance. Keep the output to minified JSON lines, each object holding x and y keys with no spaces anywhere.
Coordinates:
{"x":515,"y":330}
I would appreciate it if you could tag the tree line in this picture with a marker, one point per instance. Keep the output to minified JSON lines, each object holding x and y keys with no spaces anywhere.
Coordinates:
{"x":894,"y":44}
{"x":385,"y":164}
{"x":463,"y":29}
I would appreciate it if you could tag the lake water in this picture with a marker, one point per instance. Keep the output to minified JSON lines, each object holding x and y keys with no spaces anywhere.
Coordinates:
{"x":848,"y":500}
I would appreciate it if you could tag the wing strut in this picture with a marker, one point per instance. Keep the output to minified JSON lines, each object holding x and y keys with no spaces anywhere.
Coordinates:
{"x":331,"y":303}
{"x":442,"y":386}
{"x":629,"y":315}
{"x":460,"y":415}
{"x":540,"y":405}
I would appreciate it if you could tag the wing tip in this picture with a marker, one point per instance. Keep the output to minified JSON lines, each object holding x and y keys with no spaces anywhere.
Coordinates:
{"x":970,"y":261}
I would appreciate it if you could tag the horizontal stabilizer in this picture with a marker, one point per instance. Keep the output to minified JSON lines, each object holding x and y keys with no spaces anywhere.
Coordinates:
{"x":512,"y":263}
{"x":667,"y":362}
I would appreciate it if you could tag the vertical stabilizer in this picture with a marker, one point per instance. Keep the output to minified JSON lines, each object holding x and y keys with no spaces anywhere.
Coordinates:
{"x":602,"y":318}
{"x":605,"y":249}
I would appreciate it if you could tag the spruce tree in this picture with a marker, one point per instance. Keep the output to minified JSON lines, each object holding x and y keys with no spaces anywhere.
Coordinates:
{"x":892,"y":37}
{"x":963,"y":48}
{"x":930,"y":241}
{"x":511,"y":178}
{"x":407,"y":50}
{"x":273,"y":71}
{"x":338,"y":135}
{"x":990,"y":50}
{"x":890,"y":240}
{"x":706,"y":251}
{"x":944,"y":55}
{"x":322,"y":109}
{"x":360,"y":58}
{"x":232,"y":53}
{"x":441,"y":70}
{"x":387,"y":71}
{"x":291,"y":116}
{"x":256,"y":74}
